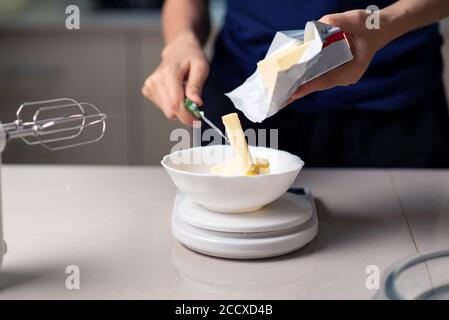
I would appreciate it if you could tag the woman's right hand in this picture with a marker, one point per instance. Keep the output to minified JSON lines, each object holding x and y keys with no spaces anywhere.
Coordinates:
{"x":181,"y":73}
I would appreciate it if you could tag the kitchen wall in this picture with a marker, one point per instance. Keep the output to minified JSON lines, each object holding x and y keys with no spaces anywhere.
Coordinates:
{"x":105,"y":63}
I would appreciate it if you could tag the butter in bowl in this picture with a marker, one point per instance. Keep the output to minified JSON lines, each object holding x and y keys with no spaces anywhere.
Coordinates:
{"x":232,"y":178}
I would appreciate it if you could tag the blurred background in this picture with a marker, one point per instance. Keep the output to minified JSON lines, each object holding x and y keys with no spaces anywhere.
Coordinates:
{"x":105,"y":63}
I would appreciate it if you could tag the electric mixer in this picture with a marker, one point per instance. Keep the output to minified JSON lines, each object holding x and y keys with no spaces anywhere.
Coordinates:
{"x":54,"y":124}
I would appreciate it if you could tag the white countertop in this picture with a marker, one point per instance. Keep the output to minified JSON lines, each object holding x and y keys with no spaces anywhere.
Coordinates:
{"x":114,"y":224}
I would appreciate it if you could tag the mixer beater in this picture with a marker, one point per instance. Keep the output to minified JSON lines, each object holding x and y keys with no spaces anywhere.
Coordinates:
{"x":55,"y":124}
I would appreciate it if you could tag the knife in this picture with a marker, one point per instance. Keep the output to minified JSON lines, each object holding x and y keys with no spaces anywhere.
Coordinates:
{"x":193,"y":108}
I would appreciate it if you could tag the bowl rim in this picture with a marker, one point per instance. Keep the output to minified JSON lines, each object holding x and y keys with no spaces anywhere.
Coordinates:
{"x":198,"y":174}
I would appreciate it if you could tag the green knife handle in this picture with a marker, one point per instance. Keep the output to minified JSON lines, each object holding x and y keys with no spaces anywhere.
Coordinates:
{"x":192,"y":108}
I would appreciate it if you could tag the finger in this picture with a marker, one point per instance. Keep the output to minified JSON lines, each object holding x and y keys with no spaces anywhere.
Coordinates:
{"x":341,"y":76}
{"x":145,"y":92}
{"x":198,"y":72}
{"x":185,"y":116}
{"x":152,"y":93}
{"x":340,"y":20}
{"x":335,"y":19}
{"x":166,"y":104}
{"x":323,"y":82}
{"x":172,"y":94}
{"x":150,"y":90}
{"x":290,"y":100}
{"x":147,"y":89}
{"x":175,"y":99}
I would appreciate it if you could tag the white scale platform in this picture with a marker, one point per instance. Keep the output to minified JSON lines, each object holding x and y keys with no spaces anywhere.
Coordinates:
{"x":279,"y":228}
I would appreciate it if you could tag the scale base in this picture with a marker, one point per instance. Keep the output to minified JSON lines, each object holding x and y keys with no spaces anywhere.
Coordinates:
{"x":281,"y":227}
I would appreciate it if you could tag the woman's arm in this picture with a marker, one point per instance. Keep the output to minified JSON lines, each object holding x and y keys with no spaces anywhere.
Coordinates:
{"x":407,"y":15}
{"x":395,"y":20}
{"x":184,"y":67}
{"x":185,"y":16}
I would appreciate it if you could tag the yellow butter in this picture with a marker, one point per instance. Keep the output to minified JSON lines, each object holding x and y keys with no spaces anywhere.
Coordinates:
{"x":263,"y":165}
{"x":242,"y":163}
{"x":283,"y":60}
{"x":237,"y":139}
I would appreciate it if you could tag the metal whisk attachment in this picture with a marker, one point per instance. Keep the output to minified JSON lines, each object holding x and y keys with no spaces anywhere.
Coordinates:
{"x":57,"y":124}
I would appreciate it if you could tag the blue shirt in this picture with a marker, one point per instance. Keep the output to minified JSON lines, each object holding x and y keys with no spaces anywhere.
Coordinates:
{"x":403,"y":73}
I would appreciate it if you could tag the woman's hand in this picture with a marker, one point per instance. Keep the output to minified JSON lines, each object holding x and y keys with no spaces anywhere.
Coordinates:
{"x":364,"y":44}
{"x":182,"y":73}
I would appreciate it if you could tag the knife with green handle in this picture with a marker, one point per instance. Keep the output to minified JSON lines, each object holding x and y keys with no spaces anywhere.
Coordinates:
{"x":193,"y":108}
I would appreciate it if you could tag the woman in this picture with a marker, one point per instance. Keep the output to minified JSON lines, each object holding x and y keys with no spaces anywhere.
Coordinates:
{"x":386,"y":108}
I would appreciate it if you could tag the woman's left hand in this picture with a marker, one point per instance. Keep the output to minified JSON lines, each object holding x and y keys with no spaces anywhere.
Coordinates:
{"x":364,"y":44}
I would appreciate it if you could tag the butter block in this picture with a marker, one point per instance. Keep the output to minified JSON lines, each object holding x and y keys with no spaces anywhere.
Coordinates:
{"x":242,"y":163}
{"x":263,"y":165}
{"x":283,"y":60}
{"x":237,"y":140}
{"x":230,"y":168}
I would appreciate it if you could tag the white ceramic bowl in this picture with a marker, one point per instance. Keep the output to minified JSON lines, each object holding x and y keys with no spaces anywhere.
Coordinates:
{"x":189,"y":170}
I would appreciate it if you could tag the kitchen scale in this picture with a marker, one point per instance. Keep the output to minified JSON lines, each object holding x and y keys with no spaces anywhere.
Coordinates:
{"x":280,"y":227}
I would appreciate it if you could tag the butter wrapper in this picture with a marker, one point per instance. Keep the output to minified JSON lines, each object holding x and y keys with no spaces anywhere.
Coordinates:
{"x":328,"y":48}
